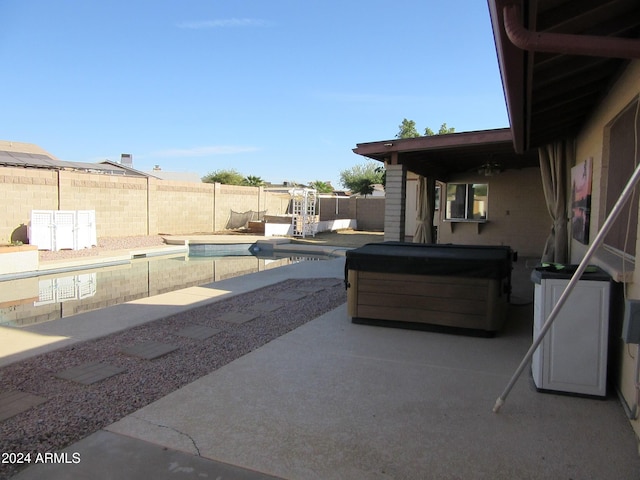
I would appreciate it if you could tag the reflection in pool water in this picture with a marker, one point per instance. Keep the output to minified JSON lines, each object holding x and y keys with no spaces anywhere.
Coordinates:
{"x":32,"y":300}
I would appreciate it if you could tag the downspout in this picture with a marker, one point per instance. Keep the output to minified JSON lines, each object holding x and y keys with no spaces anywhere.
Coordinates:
{"x":564,"y":43}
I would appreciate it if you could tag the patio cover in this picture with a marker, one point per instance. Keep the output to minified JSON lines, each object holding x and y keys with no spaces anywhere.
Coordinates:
{"x":556,"y":60}
{"x":440,"y":157}
{"x":443,"y":156}
{"x":551,"y":94}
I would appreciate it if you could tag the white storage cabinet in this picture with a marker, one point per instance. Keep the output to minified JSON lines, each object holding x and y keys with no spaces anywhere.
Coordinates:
{"x":572,"y":357}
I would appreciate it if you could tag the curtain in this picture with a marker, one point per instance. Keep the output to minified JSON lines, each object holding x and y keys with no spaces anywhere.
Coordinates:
{"x":555,"y":159}
{"x":426,"y":210}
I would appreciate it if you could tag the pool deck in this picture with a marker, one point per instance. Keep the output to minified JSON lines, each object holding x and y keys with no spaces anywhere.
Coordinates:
{"x":24,"y":342}
{"x":336,"y":400}
{"x":219,"y":239}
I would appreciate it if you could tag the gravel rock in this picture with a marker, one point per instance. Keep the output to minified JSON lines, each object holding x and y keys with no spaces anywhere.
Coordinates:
{"x":73,"y":411}
{"x":105,"y":244}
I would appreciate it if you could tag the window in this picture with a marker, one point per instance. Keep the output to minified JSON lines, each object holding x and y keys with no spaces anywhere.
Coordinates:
{"x":467,"y":201}
{"x":622,"y":136}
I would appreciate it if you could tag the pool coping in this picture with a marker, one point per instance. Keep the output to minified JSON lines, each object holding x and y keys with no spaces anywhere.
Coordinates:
{"x":178,"y":245}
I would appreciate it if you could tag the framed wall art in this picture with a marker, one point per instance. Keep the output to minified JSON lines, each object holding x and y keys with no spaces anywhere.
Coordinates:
{"x":581,"y":176}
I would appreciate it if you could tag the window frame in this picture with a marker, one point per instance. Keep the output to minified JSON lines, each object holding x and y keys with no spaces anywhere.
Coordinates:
{"x":469,"y":209}
{"x":617,"y":132}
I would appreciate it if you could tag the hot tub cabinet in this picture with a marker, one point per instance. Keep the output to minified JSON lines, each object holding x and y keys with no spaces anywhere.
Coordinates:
{"x":454,"y":287}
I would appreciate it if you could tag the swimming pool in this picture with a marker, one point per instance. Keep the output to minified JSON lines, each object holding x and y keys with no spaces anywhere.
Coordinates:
{"x":32,"y":300}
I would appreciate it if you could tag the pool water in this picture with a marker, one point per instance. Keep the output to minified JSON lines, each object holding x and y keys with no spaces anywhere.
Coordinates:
{"x":32,"y":300}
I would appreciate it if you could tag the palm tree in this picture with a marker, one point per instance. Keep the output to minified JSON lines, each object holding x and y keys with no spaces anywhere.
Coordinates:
{"x":321,"y":187}
{"x":253,"y":181}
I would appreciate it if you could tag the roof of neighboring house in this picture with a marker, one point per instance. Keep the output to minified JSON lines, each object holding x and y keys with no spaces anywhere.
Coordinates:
{"x":175,"y":176}
{"x":552,"y":83}
{"x":27,"y":155}
{"x":442,"y":156}
{"x":35,"y":160}
{"x":23,"y":148}
{"x":126,"y":170}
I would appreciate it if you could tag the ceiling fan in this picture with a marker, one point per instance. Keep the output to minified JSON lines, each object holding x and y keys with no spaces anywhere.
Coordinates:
{"x":489,"y":169}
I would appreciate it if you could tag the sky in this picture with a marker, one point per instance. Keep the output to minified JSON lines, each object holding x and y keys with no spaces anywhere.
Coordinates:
{"x":279,"y":89}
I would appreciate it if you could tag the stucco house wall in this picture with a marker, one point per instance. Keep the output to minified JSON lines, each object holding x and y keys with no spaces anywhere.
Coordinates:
{"x":517,"y":215}
{"x":590,"y":143}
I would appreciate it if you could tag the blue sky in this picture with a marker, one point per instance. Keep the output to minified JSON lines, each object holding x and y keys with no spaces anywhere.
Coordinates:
{"x":281,"y":89}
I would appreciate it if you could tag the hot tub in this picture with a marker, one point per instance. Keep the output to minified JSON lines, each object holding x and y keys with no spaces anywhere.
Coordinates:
{"x":462,"y":287}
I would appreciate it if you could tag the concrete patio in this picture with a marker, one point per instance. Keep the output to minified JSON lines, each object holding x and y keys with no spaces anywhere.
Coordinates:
{"x":335,"y":400}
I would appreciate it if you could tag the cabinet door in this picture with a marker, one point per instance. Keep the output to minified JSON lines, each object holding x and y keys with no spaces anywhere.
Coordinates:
{"x":538,"y":320}
{"x":575,"y":348}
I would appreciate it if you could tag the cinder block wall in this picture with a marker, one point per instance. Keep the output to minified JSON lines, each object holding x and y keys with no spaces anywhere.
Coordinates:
{"x":232,"y":197}
{"x":180,"y":207}
{"x":120,"y":202}
{"x":333,"y":208}
{"x":23,"y":190}
{"x":368,"y":212}
{"x":146,"y":206}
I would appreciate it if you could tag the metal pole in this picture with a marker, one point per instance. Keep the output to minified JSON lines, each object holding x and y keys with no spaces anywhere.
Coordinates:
{"x":613,"y":215}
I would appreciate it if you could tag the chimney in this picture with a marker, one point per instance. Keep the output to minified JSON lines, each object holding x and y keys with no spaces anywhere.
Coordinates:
{"x":156,"y":168}
{"x":126,"y":159}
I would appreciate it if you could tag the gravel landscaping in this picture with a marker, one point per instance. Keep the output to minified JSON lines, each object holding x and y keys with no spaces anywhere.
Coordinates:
{"x":73,"y":410}
{"x":105,"y":244}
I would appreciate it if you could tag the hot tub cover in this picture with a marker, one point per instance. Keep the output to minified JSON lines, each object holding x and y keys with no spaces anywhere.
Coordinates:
{"x":479,"y":261}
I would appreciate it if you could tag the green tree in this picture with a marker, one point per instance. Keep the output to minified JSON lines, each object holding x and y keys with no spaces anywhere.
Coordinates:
{"x":226,"y":176}
{"x":321,"y":187}
{"x":361,"y":178}
{"x":253,"y":181}
{"x":443,"y":130}
{"x":363,"y":186}
{"x":407,"y":129}
{"x":380,"y":169}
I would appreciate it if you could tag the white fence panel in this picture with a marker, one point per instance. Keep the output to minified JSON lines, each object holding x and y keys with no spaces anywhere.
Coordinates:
{"x":65,"y":224}
{"x":46,"y":292}
{"x":62,"y":289}
{"x":87,"y":285}
{"x":85,"y":229}
{"x":65,"y":288}
{"x":41,"y":229}
{"x":63,"y":229}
